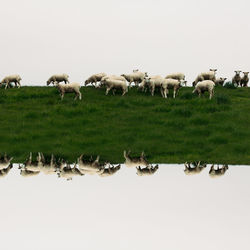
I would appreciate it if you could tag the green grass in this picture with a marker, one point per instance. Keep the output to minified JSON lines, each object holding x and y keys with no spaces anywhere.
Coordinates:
{"x":169,"y":131}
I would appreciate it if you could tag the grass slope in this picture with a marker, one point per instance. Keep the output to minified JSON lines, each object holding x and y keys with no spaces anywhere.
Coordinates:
{"x":169,"y":131}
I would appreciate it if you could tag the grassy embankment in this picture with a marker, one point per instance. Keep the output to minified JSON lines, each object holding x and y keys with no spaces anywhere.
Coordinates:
{"x":169,"y":131}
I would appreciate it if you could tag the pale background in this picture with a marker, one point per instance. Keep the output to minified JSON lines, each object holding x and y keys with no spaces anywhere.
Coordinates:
{"x":81,"y":37}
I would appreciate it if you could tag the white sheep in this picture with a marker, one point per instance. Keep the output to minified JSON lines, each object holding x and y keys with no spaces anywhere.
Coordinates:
{"x":205,"y":76}
{"x":150,"y":170}
{"x":244,"y":80}
{"x":69,"y":88}
{"x":204,"y":86}
{"x":95,"y":78}
{"x":154,"y":82}
{"x":136,"y":77}
{"x":171,"y":84}
{"x":9,"y":79}
{"x":32,"y":166}
{"x":49,"y":168}
{"x":220,"y":81}
{"x":237,"y":78}
{"x":135,"y":161}
{"x":113,"y":84}
{"x":177,"y":76}
{"x":102,"y":81}
{"x":58,"y":78}
{"x":147,"y":84}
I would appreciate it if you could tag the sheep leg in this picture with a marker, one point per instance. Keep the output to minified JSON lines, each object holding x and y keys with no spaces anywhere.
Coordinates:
{"x":152,"y":91}
{"x":107,"y":90}
{"x":174,"y":93}
{"x":62,"y":95}
{"x":162,"y":94}
{"x":6,"y":85}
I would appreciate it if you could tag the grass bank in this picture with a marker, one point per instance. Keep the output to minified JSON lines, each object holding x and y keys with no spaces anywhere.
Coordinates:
{"x":169,"y":131}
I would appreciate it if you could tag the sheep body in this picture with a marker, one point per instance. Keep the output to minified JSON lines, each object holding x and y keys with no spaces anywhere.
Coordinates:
{"x":203,"y":86}
{"x":167,"y":84}
{"x":114,"y":85}
{"x":70,"y":88}
{"x":177,"y":76}
{"x":205,"y":76}
{"x":136,"y":77}
{"x":9,"y":79}
{"x":58,"y":78}
{"x":95,"y":78}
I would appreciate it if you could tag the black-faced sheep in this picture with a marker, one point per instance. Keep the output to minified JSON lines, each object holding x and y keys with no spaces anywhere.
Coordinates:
{"x":69,"y":88}
{"x":58,"y":78}
{"x":204,"y":86}
{"x":9,"y":79}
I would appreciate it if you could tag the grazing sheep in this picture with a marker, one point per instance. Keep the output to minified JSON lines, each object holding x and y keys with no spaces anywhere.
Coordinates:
{"x":220,"y":81}
{"x":102,"y":81}
{"x":204,"y":86}
{"x":5,"y":161}
{"x":136,"y":77}
{"x":213,"y":173}
{"x":114,"y":84}
{"x":206,"y":76}
{"x":69,"y":88}
{"x":68,"y":172}
{"x":171,"y":84}
{"x":135,"y":161}
{"x":90,"y":167}
{"x":5,"y":171}
{"x":153,"y":83}
{"x":176,"y":76}
{"x":237,"y":78}
{"x":95,"y":78}
{"x":58,"y":78}
{"x":49,"y":168}
{"x":147,"y":170}
{"x":109,"y":171}
{"x":9,"y":79}
{"x":196,"y":168}
{"x":244,"y":80}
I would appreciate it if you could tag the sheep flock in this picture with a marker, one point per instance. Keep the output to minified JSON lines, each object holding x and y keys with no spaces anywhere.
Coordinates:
{"x":204,"y":82}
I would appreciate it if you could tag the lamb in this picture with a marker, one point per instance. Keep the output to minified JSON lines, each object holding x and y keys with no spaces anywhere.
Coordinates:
{"x":58,"y":78}
{"x":237,"y":78}
{"x":204,"y":86}
{"x":220,"y":81}
{"x":95,"y":78}
{"x":109,"y":171}
{"x":135,"y":161}
{"x":195,"y":169}
{"x":147,"y":170}
{"x":244,"y":80}
{"x":114,"y":84}
{"x":171,"y":84}
{"x":9,"y":79}
{"x":136,"y":77}
{"x":206,"y":76}
{"x":5,"y":171}
{"x":213,"y":173}
{"x":176,"y":76}
{"x":90,"y":167}
{"x":69,"y":88}
{"x":5,"y":161}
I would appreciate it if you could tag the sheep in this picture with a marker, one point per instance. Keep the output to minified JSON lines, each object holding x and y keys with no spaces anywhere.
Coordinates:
{"x":102,"y":81}
{"x":195,"y":169}
{"x":171,"y":84}
{"x":136,"y":77}
{"x":95,"y":78}
{"x":147,"y":170}
{"x":213,"y":173}
{"x":31,"y":166}
{"x":203,"y":86}
{"x":114,"y":84}
{"x":176,"y":76}
{"x":9,"y":79}
{"x":48,"y":168}
{"x":58,"y":78}
{"x":27,"y":173}
{"x":69,"y":88}
{"x":237,"y":78}
{"x":206,"y":76}
{"x":145,"y":84}
{"x":5,"y":171}
{"x":244,"y":80}
{"x":90,"y":167}
{"x":154,"y":82}
{"x":109,"y":171}
{"x":135,"y":161}
{"x":220,"y":81}
{"x":5,"y":161}
{"x":68,"y":172}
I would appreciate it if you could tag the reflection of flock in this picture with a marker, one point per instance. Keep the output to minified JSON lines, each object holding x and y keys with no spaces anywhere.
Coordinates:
{"x":92,"y":166}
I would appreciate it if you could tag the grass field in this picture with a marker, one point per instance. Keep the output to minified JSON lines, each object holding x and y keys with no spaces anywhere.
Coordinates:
{"x":169,"y":131}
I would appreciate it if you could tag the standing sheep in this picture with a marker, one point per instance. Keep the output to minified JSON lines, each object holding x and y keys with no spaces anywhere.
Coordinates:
{"x":69,"y":88}
{"x":9,"y":79}
{"x":136,"y":77}
{"x":90,"y":167}
{"x":58,"y":78}
{"x":220,"y":81}
{"x":237,"y":78}
{"x":135,"y":161}
{"x":171,"y":84}
{"x":114,"y":84}
{"x":176,"y":76}
{"x":95,"y":78}
{"x":206,"y":76}
{"x":204,"y":86}
{"x":244,"y":80}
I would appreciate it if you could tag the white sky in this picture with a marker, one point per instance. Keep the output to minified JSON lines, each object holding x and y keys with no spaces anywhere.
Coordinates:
{"x":166,"y":211}
{"x":82,"y":37}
